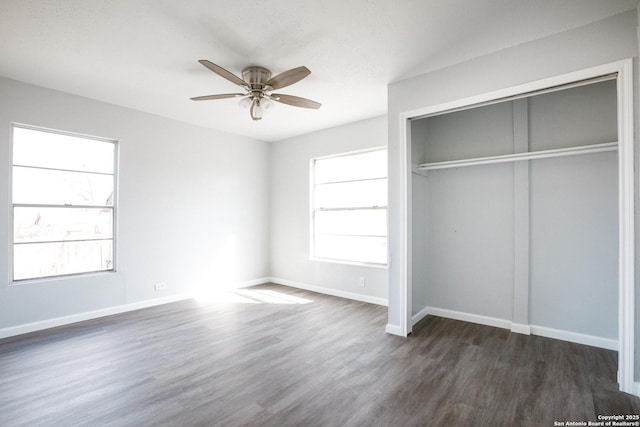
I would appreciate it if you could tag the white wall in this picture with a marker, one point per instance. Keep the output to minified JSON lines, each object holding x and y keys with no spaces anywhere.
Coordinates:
{"x":605,"y":41}
{"x":193,"y":206}
{"x":290,"y":161}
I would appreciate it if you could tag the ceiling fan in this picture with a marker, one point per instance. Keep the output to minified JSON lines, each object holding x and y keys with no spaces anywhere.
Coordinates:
{"x":258,"y":84}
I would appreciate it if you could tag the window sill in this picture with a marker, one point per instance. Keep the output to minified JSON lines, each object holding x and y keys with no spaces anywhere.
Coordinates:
{"x":74,"y":276}
{"x":353,"y":263}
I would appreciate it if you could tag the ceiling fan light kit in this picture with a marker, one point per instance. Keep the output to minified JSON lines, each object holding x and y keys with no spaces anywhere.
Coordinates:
{"x":258,"y":85}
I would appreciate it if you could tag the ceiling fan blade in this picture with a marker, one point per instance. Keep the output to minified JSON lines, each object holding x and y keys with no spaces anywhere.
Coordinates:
{"x":288,"y":77}
{"x":218,"y":96}
{"x":223,"y":73}
{"x":296,"y":101}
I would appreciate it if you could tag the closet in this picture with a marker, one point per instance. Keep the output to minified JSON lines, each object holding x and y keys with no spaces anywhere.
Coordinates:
{"x":514,"y":217}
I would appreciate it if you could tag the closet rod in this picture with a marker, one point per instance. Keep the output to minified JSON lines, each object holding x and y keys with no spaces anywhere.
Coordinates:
{"x":530,"y":155}
{"x":592,"y":80}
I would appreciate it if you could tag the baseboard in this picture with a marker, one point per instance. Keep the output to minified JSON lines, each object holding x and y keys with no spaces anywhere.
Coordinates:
{"x":575,"y":337}
{"x":419,"y":316}
{"x":88,"y":315}
{"x":393,"y":330}
{"x":519,"y":328}
{"x":468,"y":317}
{"x":108,"y":311}
{"x":330,"y":291}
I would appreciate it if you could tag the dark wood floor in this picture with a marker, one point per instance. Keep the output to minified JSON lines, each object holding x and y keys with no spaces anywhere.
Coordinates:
{"x":279,"y":356}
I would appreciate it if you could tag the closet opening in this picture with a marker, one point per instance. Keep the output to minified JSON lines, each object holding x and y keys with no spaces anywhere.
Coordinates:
{"x":519,"y":211}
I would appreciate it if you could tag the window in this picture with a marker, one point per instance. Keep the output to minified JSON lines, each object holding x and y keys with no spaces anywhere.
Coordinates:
{"x":63,"y":203}
{"x":349,"y":207}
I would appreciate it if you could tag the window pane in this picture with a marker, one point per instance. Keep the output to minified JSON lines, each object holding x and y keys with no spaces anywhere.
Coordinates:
{"x":38,"y":224}
{"x":346,"y":188}
{"x":42,"y":186}
{"x":54,"y":259}
{"x":351,"y":248}
{"x":58,"y":151}
{"x":352,"y":194}
{"x":363,"y":222}
{"x":372,"y":164}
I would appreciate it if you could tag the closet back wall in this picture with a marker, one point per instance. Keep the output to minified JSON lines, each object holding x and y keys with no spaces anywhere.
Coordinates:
{"x":547,"y":227}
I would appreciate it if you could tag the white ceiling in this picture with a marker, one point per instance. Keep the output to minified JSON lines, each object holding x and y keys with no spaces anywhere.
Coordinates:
{"x":143,"y":54}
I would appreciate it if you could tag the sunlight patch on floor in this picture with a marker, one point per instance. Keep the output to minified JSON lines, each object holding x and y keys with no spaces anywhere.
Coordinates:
{"x":247,"y":296}
{"x":271,"y":297}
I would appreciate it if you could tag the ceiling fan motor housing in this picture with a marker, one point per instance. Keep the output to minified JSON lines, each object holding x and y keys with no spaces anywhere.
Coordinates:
{"x":256,"y":77}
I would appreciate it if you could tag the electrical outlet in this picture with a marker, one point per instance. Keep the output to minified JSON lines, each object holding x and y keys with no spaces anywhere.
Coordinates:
{"x":159,"y":286}
{"x":362,"y":282}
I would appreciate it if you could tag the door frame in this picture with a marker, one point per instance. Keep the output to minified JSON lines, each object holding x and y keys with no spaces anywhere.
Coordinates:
{"x":626,"y":185}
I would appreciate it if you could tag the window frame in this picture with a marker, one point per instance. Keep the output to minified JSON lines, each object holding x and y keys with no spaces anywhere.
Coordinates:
{"x":12,"y":205}
{"x":312,"y":210}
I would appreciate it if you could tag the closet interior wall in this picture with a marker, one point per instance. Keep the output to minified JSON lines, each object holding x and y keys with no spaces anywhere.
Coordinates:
{"x":530,"y":243}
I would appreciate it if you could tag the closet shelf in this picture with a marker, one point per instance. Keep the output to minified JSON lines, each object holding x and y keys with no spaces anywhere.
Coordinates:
{"x":530,"y":155}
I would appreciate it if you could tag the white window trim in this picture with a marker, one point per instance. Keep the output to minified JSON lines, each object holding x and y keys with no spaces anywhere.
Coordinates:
{"x":312,"y":204}
{"x":116,"y":173}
